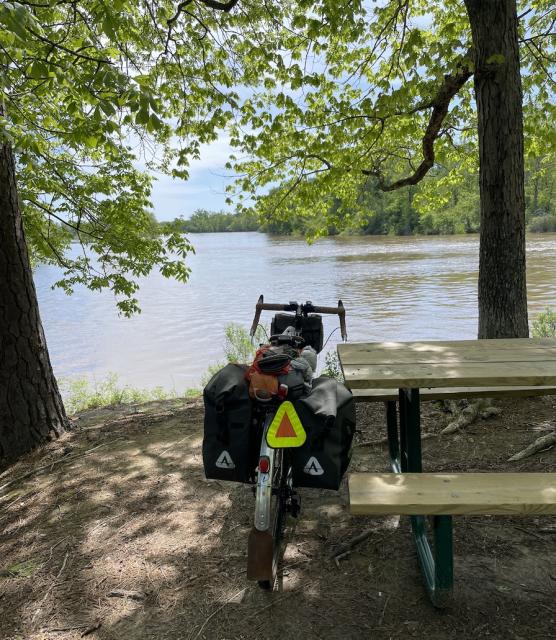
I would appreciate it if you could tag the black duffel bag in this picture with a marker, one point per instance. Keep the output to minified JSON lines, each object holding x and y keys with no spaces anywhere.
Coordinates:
{"x":328,"y":417}
{"x":230,"y":448}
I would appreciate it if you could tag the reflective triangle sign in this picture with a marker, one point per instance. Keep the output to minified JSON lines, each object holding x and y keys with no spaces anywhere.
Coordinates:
{"x":286,"y":429}
{"x":225,"y":461}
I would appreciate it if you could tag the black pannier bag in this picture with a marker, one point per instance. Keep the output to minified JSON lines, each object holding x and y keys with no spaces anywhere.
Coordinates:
{"x":230,"y":448}
{"x":328,"y":417}
{"x":312,"y":328}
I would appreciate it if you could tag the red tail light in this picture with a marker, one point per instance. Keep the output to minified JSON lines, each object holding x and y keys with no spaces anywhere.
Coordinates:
{"x":264,"y":464}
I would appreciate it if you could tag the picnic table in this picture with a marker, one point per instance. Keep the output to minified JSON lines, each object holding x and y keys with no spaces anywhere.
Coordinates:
{"x":456,"y":368}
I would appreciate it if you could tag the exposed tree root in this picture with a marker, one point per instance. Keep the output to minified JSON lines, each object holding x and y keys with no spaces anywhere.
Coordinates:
{"x":481,"y":408}
{"x":544,"y":442}
{"x":381,"y":441}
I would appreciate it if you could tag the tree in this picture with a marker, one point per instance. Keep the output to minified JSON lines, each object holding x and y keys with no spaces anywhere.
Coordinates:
{"x":384,"y":91}
{"x":31,"y":409}
{"x":86,"y":89}
{"x":502,"y":286}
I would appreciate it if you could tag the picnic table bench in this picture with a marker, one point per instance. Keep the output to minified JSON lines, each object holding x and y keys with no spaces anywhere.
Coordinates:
{"x":400,"y":374}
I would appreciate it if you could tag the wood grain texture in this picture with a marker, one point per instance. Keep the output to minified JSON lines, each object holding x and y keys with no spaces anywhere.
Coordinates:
{"x":465,"y":363}
{"x":444,"y":352}
{"x":452,"y":494}
{"x":439,"y":393}
{"x":514,"y":374}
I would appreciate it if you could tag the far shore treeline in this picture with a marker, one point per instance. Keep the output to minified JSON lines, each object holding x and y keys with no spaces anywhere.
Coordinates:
{"x":402,"y":212}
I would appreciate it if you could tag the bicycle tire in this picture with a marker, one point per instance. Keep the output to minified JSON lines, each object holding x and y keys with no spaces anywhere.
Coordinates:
{"x":281,"y":478}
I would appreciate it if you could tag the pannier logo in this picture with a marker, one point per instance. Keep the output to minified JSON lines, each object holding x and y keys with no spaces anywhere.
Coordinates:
{"x":313,"y":467}
{"x":225,"y":461}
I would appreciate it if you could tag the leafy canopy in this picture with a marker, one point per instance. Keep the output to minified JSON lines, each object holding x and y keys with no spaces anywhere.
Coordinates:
{"x":322,"y":99}
{"x":90,"y":91}
{"x":375,"y":92}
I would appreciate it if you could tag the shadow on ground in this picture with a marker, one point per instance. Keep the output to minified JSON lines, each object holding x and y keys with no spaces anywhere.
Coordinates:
{"x":117,"y":534}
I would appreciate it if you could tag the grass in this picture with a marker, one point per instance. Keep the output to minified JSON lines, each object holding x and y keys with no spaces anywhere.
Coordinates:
{"x":81,"y":394}
{"x":24,"y":569}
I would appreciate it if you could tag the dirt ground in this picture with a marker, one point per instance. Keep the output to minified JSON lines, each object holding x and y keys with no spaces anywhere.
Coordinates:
{"x":118,"y":535}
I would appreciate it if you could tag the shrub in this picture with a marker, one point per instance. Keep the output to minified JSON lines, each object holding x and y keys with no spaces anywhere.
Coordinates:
{"x":544,"y":325}
{"x":332,"y":367}
{"x":542,"y":224}
{"x":238,"y":348}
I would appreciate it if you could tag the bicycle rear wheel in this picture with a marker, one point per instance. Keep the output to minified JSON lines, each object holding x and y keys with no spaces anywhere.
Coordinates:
{"x":281,"y":485}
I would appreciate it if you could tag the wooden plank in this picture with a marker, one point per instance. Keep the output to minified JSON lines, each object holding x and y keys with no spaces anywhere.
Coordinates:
{"x":438,"y":393}
{"x":474,"y":351}
{"x":452,"y":494}
{"x":456,"y":345}
{"x":515,"y":374}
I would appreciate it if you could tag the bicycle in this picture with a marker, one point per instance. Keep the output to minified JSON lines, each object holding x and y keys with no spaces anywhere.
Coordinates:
{"x":275,"y":496}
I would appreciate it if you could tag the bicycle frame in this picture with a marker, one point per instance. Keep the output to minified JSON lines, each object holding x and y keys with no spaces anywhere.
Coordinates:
{"x":263,"y":494}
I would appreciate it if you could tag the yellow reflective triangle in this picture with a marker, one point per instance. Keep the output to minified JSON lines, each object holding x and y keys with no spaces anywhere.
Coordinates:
{"x":286,"y":429}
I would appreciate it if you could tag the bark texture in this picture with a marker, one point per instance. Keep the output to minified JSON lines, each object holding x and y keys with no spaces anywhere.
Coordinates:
{"x":502,"y":285}
{"x":31,"y":409}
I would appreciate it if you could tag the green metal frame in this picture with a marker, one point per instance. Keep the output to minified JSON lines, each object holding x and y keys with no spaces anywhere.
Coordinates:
{"x":404,"y":444}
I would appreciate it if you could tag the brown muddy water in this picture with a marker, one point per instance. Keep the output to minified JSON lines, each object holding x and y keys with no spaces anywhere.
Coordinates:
{"x":393,"y":288}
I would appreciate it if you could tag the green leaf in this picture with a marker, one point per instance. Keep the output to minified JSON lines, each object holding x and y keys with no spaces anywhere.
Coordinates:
{"x":142,"y":116}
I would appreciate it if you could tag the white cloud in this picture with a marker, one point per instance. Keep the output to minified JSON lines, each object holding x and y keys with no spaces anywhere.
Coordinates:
{"x":205,"y":189}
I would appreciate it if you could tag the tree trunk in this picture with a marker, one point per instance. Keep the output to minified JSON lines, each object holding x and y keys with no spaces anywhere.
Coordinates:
{"x":31,"y":409}
{"x":536,"y":186}
{"x":502,"y":286}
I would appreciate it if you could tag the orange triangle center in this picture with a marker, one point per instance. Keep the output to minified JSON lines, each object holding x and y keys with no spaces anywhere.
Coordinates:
{"x":285,"y":429}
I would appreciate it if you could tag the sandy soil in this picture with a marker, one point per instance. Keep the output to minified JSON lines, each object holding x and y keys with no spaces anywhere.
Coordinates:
{"x":117,"y":534}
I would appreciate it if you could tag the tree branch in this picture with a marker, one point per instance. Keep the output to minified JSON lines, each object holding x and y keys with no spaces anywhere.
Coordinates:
{"x":60,"y":46}
{"x":212,"y":4}
{"x":49,"y":212}
{"x":316,"y":156}
{"x":181,"y":6}
{"x":220,"y":6}
{"x":440,"y":104}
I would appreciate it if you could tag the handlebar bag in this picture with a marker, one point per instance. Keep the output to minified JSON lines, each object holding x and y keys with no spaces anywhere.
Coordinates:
{"x":230,"y":444}
{"x":312,"y":329}
{"x":328,"y":417}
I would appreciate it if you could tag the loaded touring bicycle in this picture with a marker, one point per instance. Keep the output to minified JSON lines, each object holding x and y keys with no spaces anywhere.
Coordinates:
{"x":276,"y":426}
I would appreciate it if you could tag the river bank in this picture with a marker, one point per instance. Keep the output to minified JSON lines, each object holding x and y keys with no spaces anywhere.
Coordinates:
{"x":116,"y":533}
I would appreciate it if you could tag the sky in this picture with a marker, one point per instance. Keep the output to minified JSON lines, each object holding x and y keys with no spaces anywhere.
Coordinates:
{"x":205,"y":189}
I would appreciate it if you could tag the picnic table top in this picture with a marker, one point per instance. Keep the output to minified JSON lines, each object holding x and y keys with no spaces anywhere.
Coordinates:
{"x":439,"y":363}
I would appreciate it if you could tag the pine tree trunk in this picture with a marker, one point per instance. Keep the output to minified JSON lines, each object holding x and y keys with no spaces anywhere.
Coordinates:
{"x":31,"y":409}
{"x":502,"y":286}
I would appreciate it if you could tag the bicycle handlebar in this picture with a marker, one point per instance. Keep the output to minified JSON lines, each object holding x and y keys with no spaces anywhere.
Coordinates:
{"x":308,"y":307}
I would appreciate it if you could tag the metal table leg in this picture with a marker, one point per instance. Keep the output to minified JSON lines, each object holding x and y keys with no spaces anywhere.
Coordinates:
{"x":436,"y":563}
{"x":393,"y":439}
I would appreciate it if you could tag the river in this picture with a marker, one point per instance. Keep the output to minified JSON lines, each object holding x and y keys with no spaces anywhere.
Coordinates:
{"x":393,"y":288}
